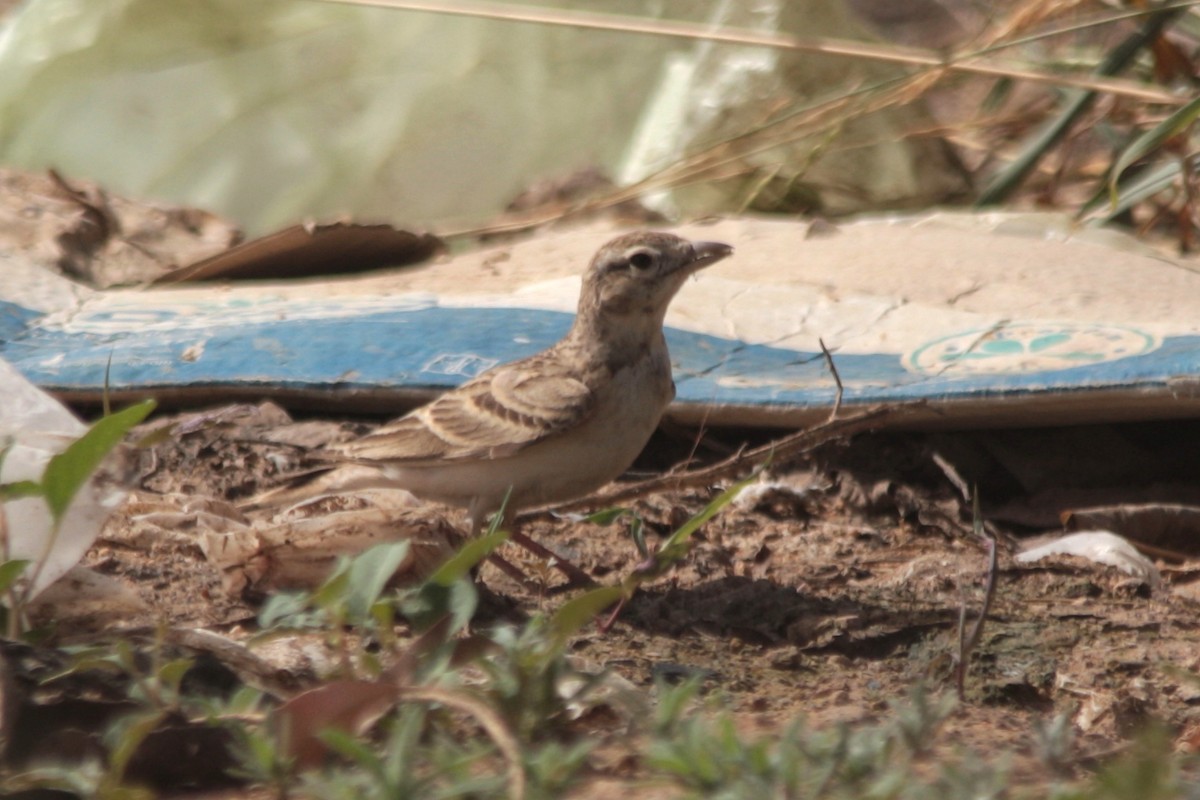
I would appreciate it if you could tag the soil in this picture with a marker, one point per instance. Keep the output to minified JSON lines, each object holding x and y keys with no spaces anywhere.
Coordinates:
{"x":825,"y":593}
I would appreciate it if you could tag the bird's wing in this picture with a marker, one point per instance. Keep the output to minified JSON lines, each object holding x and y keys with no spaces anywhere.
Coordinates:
{"x":493,"y":416}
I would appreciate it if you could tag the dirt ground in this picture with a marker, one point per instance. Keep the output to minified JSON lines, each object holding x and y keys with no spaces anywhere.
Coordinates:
{"x":827,"y":592}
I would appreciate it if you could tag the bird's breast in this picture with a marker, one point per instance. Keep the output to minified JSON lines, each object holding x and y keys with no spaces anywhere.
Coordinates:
{"x":638,"y":390}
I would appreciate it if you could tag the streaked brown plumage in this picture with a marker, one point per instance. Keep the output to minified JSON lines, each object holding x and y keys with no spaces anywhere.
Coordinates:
{"x":561,"y":423}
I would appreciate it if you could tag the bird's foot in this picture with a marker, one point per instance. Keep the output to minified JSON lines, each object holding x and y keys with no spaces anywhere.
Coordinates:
{"x":577,"y":578}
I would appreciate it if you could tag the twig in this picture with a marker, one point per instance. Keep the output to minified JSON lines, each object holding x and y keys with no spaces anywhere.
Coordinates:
{"x":967,"y":645}
{"x":837,"y":401}
{"x":701,"y":429}
{"x":780,"y":451}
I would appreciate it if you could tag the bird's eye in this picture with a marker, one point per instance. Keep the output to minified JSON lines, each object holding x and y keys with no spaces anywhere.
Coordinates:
{"x":641,"y":260}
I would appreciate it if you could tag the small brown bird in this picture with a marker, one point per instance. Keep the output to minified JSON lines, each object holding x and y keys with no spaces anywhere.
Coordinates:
{"x":556,"y":425}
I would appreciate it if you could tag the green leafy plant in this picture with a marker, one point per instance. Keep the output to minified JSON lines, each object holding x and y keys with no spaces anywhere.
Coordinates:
{"x":523,"y":704}
{"x":153,"y":699}
{"x":581,"y":610}
{"x":707,"y":754}
{"x":637,"y":526}
{"x":415,"y":758}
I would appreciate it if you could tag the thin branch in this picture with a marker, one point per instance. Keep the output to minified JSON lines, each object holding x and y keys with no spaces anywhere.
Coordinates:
{"x":701,"y":429}
{"x":779,"y":451}
{"x":967,"y":645}
{"x":837,"y":401}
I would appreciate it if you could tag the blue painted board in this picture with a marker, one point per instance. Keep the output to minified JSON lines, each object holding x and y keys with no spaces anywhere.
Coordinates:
{"x":425,"y":346}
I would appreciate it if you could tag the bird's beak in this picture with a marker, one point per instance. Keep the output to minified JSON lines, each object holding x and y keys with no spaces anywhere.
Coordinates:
{"x":708,"y":253}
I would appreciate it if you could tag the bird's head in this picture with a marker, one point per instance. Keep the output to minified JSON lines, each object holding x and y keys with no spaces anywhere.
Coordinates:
{"x":632,"y":279}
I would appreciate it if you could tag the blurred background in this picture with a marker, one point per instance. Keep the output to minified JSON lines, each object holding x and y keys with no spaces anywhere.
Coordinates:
{"x":504,"y":115}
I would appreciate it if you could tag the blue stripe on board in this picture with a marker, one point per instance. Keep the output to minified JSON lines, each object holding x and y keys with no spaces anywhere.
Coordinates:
{"x":441,"y":347}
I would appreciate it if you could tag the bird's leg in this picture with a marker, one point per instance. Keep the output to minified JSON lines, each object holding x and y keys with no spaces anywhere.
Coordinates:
{"x":478,"y":515}
{"x":575,"y":575}
{"x":512,"y":570}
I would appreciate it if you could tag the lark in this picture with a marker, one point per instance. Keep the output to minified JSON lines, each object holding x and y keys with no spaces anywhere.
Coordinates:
{"x":559,"y":424}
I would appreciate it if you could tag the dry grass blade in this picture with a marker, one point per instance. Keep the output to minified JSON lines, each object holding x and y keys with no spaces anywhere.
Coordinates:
{"x":1030,"y":14}
{"x":488,"y":719}
{"x":816,"y":121}
{"x":896,"y":54}
{"x":968,"y":642}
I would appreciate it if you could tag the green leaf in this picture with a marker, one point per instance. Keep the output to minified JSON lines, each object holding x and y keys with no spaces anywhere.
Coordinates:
{"x":159,"y":435}
{"x":1151,"y":141}
{"x":244,"y":701}
{"x":18,"y":489}
{"x":676,"y":544}
{"x":332,"y":592}
{"x":434,"y":602}
{"x":1099,"y":209}
{"x":125,"y":739}
{"x":579,"y":611}
{"x":171,"y":673}
{"x":637,"y":530}
{"x":69,"y":470}
{"x":468,"y":557}
{"x":352,"y":748}
{"x":369,"y":573}
{"x":998,"y":95}
{"x":10,"y":571}
{"x":607,"y":516}
{"x":636,"y":526}
{"x":99,"y":657}
{"x":282,"y":607}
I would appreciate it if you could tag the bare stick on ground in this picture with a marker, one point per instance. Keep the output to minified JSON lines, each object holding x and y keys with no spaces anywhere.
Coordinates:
{"x":967,"y":644}
{"x":780,"y":451}
{"x":837,"y":400}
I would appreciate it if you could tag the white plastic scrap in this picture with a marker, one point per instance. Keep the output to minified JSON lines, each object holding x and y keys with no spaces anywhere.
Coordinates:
{"x":36,"y":427}
{"x":750,"y":497}
{"x":1103,"y":547}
